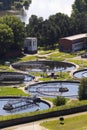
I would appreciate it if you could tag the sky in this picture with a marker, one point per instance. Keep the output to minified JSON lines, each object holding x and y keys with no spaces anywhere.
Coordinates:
{"x":45,"y":8}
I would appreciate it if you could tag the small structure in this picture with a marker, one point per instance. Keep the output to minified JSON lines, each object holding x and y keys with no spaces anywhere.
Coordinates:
{"x":72,"y":43}
{"x":30,"y":45}
{"x":24,"y":102}
{"x":8,"y":107}
{"x":63,"y":89}
{"x":7,"y":63}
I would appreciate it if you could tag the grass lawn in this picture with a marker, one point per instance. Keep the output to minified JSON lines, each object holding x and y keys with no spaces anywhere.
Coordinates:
{"x":81,"y":63}
{"x":3,"y":67}
{"x":71,"y":123}
{"x":60,"y":56}
{"x":9,"y":91}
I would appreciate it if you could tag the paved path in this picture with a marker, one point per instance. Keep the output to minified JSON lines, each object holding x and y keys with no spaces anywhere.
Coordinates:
{"x":36,"y":126}
{"x":27,"y":126}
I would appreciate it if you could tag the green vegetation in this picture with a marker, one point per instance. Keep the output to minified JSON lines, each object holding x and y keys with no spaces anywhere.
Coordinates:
{"x":3,"y":67}
{"x":12,"y":36}
{"x":9,"y":91}
{"x":9,"y":4}
{"x":28,"y":58}
{"x":6,"y":38}
{"x":49,"y":99}
{"x":42,"y":52}
{"x":59,"y":101}
{"x":70,"y":123}
{"x":67,"y":100}
{"x":58,"y":76}
{"x":83,"y":89}
{"x":79,"y":62}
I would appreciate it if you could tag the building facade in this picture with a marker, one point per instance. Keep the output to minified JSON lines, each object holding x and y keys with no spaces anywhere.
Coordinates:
{"x":73,"y":43}
{"x":30,"y":45}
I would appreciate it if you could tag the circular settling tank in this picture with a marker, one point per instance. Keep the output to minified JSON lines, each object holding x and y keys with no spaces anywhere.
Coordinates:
{"x":52,"y":89}
{"x":20,"y":105}
{"x":14,"y":77}
{"x":80,"y":74}
{"x":44,"y":66}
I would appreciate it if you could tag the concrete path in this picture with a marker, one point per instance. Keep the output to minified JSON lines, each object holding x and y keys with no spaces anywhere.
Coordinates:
{"x":27,"y":126}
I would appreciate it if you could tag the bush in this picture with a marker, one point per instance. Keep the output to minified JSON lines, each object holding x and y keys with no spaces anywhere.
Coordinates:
{"x":58,"y":101}
{"x":82,"y":92}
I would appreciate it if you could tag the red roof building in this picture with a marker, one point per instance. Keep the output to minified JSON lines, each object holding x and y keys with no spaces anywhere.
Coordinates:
{"x":73,"y":43}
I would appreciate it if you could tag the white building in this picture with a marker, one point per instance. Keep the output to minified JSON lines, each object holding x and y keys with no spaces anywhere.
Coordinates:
{"x":30,"y":45}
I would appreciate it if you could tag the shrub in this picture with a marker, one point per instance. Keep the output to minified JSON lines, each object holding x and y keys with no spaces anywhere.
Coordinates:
{"x":58,"y":101}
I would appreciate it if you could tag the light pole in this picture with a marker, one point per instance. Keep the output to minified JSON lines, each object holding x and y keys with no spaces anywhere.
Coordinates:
{"x":33,"y":125}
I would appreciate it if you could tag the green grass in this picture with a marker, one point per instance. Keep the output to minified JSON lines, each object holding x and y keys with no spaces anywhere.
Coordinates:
{"x":60,"y":56}
{"x":3,"y":67}
{"x":28,"y":58}
{"x":81,"y":63}
{"x":44,"y":52}
{"x":9,"y":91}
{"x":49,"y":99}
{"x":59,"y":76}
{"x":71,"y":123}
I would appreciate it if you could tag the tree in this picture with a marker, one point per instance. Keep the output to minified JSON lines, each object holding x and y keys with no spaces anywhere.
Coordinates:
{"x":7,"y":4}
{"x":33,"y":29}
{"x":26,"y":3}
{"x":63,"y":22}
{"x":18,"y":5}
{"x":6,"y":39}
{"x":79,"y":6}
{"x":82,"y":92}
{"x":17,"y":27}
{"x":79,"y":16}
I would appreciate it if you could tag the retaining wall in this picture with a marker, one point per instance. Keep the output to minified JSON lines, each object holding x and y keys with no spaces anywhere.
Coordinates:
{"x":28,"y":119}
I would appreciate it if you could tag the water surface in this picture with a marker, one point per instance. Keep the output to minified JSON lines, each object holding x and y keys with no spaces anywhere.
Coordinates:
{"x":41,"y":106}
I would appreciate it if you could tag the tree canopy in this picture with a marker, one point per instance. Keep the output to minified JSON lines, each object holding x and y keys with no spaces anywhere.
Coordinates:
{"x":6,"y":38}
{"x":7,"y":4}
{"x":48,"y":31}
{"x":79,"y":16}
{"x":17,"y":27}
{"x":79,"y":6}
{"x":12,"y":34}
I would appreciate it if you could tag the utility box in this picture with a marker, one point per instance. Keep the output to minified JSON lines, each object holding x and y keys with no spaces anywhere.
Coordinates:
{"x":30,"y":45}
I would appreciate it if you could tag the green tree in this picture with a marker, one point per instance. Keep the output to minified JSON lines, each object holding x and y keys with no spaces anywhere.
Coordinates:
{"x":79,"y":16}
{"x":79,"y":6}
{"x":82,"y":92}
{"x":17,"y":27}
{"x":6,"y":39}
{"x":63,"y":22}
{"x":7,"y":4}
